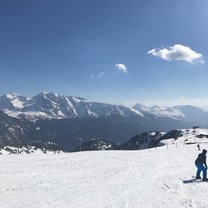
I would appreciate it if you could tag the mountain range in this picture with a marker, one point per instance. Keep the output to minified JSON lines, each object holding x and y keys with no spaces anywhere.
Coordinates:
{"x":54,"y":106}
{"x":66,"y":119}
{"x":51,"y":105}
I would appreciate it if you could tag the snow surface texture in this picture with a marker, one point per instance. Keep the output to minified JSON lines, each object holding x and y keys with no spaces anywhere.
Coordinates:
{"x":151,"y":178}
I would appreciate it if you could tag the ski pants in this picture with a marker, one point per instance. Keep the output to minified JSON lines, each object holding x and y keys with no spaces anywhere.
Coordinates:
{"x":200,"y":167}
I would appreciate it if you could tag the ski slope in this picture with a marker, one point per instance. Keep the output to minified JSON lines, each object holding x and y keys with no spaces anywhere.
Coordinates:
{"x":105,"y":179}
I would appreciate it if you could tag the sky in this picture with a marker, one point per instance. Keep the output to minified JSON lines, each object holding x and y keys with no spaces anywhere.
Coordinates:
{"x":114,"y":51}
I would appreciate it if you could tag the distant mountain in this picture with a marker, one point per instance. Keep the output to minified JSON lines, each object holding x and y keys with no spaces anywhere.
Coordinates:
{"x":50,"y":105}
{"x":181,"y":112}
{"x":192,"y":113}
{"x":159,"y":111}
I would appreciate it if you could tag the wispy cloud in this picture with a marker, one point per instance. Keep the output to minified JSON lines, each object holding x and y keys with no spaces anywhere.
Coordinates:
{"x":179,"y":53}
{"x":121,"y":67}
{"x":101,"y":74}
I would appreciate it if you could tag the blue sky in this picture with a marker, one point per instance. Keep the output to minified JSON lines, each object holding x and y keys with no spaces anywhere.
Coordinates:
{"x":117,"y":51}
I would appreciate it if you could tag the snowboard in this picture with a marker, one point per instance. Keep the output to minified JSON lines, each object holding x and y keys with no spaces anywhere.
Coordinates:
{"x":194,"y":180}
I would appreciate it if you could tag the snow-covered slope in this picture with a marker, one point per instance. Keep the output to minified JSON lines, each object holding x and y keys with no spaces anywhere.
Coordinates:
{"x":191,"y":136}
{"x":150,"y":178}
{"x":50,"y":105}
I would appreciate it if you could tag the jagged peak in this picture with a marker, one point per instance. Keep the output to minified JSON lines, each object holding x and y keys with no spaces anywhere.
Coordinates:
{"x":12,"y":95}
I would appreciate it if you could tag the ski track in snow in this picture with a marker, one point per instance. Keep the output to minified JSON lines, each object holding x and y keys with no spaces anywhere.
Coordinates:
{"x":153,"y":178}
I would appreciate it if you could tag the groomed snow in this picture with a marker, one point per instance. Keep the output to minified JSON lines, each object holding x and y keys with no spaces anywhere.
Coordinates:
{"x":153,"y":178}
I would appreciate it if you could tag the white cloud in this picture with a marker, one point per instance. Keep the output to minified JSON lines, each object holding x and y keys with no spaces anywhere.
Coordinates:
{"x":177,"y":52}
{"x":121,"y":67}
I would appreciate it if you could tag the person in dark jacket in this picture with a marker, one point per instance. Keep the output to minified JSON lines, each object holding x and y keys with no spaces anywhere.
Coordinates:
{"x":201,"y":165}
{"x":198,"y":145}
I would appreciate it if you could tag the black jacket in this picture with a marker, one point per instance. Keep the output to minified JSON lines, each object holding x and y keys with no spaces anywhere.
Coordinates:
{"x":201,"y":159}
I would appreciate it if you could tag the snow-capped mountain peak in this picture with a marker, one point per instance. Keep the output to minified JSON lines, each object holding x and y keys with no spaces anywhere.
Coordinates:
{"x":12,"y":101}
{"x":160,"y":111}
{"x":51,"y":105}
{"x":181,"y":112}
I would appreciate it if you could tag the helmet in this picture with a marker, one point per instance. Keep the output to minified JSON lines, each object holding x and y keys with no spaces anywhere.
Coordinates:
{"x":204,"y":151}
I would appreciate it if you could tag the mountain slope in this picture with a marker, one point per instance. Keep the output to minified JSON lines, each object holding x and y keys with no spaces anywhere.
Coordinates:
{"x":66,"y":132}
{"x":193,"y":113}
{"x":144,"y":141}
{"x":115,"y":128}
{"x":149,"y":178}
{"x":13,"y":131}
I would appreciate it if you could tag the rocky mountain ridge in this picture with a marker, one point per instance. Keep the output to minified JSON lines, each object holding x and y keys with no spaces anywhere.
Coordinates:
{"x":53,"y":106}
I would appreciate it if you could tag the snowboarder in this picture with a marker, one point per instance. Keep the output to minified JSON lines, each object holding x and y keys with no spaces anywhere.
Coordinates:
{"x":201,"y":165}
{"x":198,"y":145}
